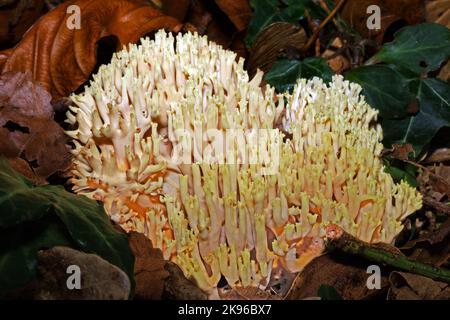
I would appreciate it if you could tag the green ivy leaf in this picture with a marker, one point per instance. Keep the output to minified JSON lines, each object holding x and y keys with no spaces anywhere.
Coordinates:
{"x":420,"y":48}
{"x":284,"y":73}
{"x":270,"y":11}
{"x":401,"y":171}
{"x":86,"y":224}
{"x":434,"y":100}
{"x":16,"y":193}
{"x":384,"y":89}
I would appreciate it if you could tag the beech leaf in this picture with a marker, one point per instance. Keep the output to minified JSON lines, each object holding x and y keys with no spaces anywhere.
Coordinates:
{"x":62,"y":56}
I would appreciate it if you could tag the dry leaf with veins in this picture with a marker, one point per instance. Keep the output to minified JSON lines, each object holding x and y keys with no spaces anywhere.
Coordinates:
{"x":62,"y":59}
{"x":33,"y":143}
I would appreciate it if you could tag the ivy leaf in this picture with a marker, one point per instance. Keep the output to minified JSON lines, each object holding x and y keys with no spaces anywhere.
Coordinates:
{"x":270,"y":11}
{"x":401,"y":171}
{"x":84,"y":222}
{"x":385,"y":89}
{"x":420,"y":48}
{"x":284,"y":73}
{"x":434,"y":99}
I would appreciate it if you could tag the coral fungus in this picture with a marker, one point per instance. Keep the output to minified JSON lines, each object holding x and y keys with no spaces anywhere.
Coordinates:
{"x":228,"y":178}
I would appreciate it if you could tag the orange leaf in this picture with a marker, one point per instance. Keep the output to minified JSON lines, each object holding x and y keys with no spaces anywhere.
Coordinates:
{"x":62,"y":58}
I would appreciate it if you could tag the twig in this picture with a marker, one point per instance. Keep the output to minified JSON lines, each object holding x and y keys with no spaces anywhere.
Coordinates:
{"x":316,"y":32}
{"x":439,"y":206}
{"x":338,"y":239}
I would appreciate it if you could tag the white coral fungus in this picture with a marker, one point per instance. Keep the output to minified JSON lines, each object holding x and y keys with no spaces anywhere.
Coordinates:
{"x":229,"y":218}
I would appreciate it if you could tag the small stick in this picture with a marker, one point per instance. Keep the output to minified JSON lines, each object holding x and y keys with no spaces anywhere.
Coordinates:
{"x":338,"y":239}
{"x":315,"y":35}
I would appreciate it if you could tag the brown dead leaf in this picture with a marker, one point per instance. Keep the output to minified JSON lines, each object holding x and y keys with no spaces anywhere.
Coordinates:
{"x":408,"y":286}
{"x":149,"y":269}
{"x":177,"y":287}
{"x":62,"y":59}
{"x":209,"y":20}
{"x":438,"y":11}
{"x":32,"y":141}
{"x":347,"y":275}
{"x":238,"y":11}
{"x":432,"y":247}
{"x":394,"y":15}
{"x":249,"y":293}
{"x":435,"y":181}
{"x":337,"y":62}
{"x":16,"y":17}
{"x":402,"y":151}
{"x":412,"y":11}
{"x":157,"y":278}
{"x":174,"y":8}
{"x":273,"y":41}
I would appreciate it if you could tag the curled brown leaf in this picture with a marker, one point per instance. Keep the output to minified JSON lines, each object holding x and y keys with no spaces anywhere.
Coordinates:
{"x":61,"y":56}
{"x":273,"y":41}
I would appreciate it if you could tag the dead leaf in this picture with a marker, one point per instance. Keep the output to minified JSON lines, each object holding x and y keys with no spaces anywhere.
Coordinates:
{"x":209,"y":20}
{"x":157,"y":278}
{"x":438,"y":11}
{"x":337,"y":62}
{"x":271,"y":42}
{"x":435,"y":182}
{"x":394,"y":15}
{"x":33,"y":142}
{"x":238,"y":11}
{"x":432,"y":246}
{"x":177,"y":287}
{"x":238,"y":45}
{"x":16,"y":17}
{"x":149,"y":269}
{"x":347,"y":275}
{"x":355,"y":13}
{"x":249,"y":293}
{"x":62,"y":58}
{"x":402,"y":151}
{"x":174,"y":8}
{"x":408,"y":286}
{"x":412,"y":11}
{"x":444,"y":74}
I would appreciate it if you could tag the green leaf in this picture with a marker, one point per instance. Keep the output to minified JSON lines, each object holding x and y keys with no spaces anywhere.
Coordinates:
{"x":401,"y":171}
{"x":420,"y":48}
{"x":385,"y":89}
{"x":19,"y":247}
{"x":16,"y":193}
{"x":284,"y":73}
{"x":270,"y":11}
{"x":328,"y":293}
{"x":434,"y":114}
{"x":85,"y":223}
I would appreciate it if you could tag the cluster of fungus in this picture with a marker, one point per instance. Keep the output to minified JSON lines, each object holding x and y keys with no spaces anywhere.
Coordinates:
{"x":143,"y":131}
